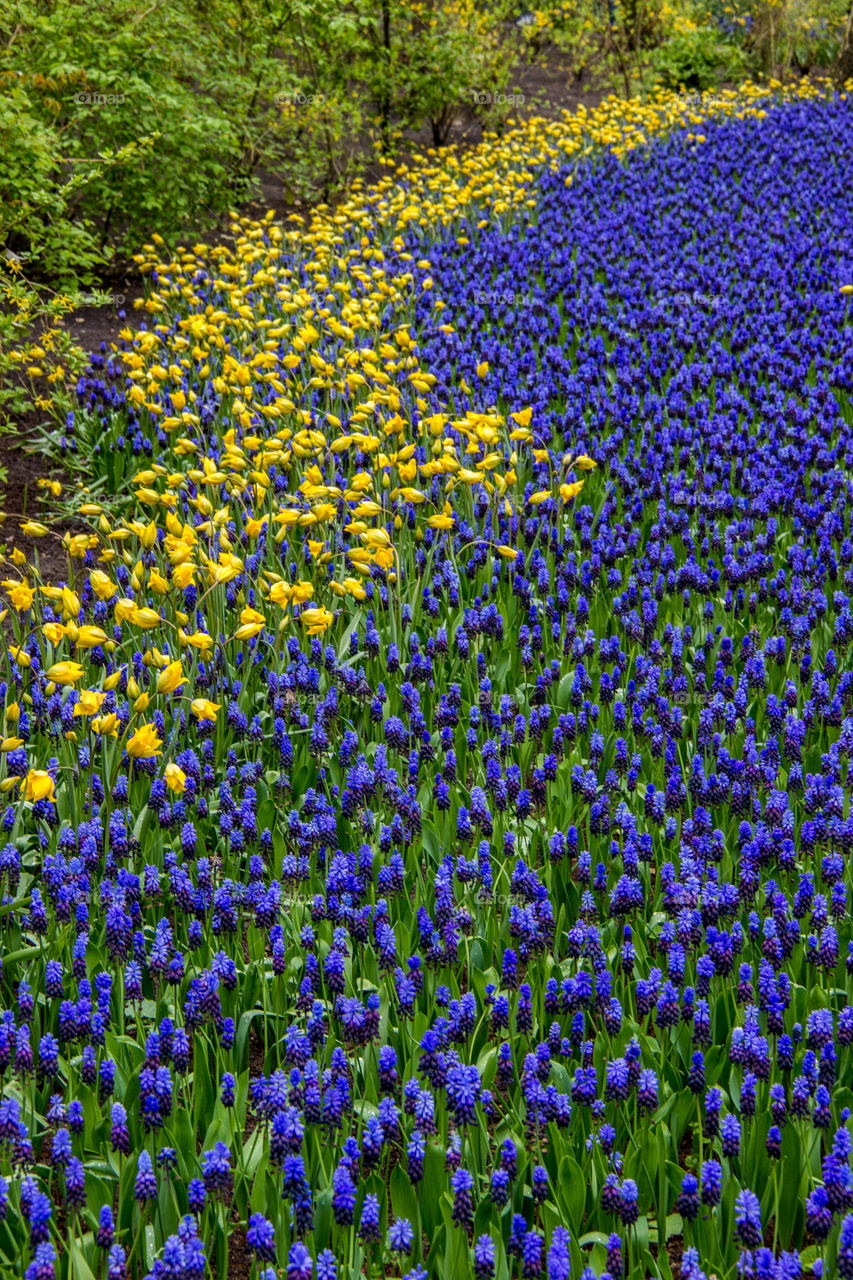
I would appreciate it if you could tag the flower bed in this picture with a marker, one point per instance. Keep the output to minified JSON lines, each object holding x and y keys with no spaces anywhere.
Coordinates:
{"x":426,"y":808}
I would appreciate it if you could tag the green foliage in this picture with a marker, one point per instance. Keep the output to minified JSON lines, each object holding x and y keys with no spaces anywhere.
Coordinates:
{"x":441,"y":57}
{"x":229,"y":90}
{"x":780,"y":36}
{"x":696,"y":45}
{"x":34,"y":346}
{"x":577,"y":29}
{"x":698,"y":59}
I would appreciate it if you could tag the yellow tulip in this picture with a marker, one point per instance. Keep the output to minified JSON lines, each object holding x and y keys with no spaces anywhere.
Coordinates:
{"x":171,"y":678}
{"x":204,"y":710}
{"x":145,"y":743}
{"x":70,"y":604}
{"x":106,"y":726}
{"x":55,"y":632}
{"x":38,"y":785}
{"x":376,"y":538}
{"x":183,"y":575}
{"x":570,"y":491}
{"x":316,"y":620}
{"x":102,"y":586}
{"x":251,"y":624}
{"x":64,"y":673}
{"x":89,"y":703}
{"x":145,"y":618}
{"x":124,"y":609}
{"x":175,"y":778}
{"x":88,"y":637}
{"x":198,"y":640}
{"x":21,"y":595}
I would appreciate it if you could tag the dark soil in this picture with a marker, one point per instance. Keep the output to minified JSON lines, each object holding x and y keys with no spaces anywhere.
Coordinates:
{"x":20,"y":495}
{"x":674,"y":1253}
{"x":239,"y":1257}
{"x":685,"y":1147}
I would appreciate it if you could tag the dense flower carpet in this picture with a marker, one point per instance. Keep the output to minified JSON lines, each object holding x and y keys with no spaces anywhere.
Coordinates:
{"x":426,"y":830}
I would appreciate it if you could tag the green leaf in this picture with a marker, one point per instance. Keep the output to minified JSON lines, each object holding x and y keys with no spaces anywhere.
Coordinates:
{"x":184,"y":1142}
{"x":674,"y":1225}
{"x":429,"y":1191}
{"x":81,"y":1268}
{"x":456,"y":1257}
{"x":322,"y":1219}
{"x":437,"y":1247}
{"x":572,"y":1193}
{"x":203,"y":1090}
{"x":403,"y":1199}
{"x":150,"y":1246}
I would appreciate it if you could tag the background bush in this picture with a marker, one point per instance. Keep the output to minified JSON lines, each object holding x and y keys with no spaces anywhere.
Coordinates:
{"x":301,"y":90}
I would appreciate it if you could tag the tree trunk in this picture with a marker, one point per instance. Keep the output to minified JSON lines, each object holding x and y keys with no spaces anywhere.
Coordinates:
{"x":844,"y":66}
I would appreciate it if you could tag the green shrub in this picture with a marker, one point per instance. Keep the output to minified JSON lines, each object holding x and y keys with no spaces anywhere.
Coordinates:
{"x":778,"y":36}
{"x":444,"y":56}
{"x":576,"y":27}
{"x":295,"y":89}
{"x":697,"y":59}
